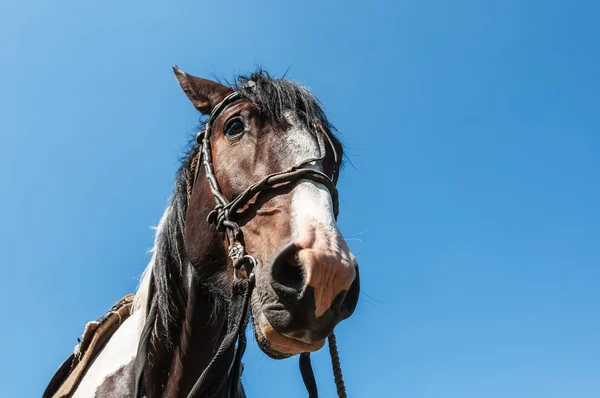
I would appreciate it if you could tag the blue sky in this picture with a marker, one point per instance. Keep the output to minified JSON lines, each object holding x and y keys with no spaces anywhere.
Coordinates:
{"x":473,"y":130}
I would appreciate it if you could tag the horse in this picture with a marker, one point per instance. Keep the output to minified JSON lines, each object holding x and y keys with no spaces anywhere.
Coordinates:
{"x":250,"y":229}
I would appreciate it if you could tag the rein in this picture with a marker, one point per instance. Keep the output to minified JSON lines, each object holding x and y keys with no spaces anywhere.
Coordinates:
{"x":228,"y":358}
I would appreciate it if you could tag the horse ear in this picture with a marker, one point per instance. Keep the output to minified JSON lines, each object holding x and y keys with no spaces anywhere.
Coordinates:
{"x":204,"y":94}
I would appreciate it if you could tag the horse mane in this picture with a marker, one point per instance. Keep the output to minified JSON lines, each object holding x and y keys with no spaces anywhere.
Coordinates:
{"x":168,"y":254}
{"x":272,"y":97}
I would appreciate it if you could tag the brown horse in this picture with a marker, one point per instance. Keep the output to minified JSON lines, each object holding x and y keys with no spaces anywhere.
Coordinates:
{"x":275,"y":245}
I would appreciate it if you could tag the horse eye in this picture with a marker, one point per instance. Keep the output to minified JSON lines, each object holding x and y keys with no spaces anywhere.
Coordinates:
{"x":234,"y":127}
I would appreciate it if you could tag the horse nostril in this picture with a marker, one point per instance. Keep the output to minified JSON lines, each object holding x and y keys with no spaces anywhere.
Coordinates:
{"x":287,"y":272}
{"x":351,"y":298}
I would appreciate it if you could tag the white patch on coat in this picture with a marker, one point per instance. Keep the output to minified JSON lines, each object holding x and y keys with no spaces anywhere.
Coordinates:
{"x":311,"y":200}
{"x":118,"y":352}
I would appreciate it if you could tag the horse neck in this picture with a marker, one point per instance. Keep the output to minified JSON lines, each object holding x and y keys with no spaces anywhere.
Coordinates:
{"x":194,"y":298}
{"x":195,"y":327}
{"x":195,"y":335}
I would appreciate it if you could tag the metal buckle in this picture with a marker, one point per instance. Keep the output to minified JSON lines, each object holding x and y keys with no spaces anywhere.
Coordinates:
{"x":242,"y":271}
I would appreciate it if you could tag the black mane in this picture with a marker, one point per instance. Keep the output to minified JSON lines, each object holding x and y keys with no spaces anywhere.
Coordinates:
{"x":272,"y":97}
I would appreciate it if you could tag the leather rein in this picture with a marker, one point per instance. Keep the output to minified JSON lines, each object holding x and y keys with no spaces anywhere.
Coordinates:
{"x":223,"y":217}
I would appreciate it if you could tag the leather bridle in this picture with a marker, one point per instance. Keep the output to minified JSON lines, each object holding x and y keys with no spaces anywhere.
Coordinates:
{"x":225,"y":212}
{"x":223,"y":217}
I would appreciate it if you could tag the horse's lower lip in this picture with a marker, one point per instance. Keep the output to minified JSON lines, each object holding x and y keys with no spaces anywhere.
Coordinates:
{"x":288,"y":345}
{"x":277,"y":345}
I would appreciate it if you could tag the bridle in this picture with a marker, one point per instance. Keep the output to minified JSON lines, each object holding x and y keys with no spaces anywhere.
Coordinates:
{"x":223,"y":217}
{"x":224,"y":214}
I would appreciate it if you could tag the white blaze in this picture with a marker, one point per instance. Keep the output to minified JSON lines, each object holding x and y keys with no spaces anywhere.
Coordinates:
{"x":310,"y":200}
{"x":328,"y":263}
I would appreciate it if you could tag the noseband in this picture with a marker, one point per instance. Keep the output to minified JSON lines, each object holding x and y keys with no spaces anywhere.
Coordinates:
{"x":223,"y":217}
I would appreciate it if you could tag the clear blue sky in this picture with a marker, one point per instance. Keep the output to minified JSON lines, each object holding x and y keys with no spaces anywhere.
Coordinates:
{"x":472,"y":204}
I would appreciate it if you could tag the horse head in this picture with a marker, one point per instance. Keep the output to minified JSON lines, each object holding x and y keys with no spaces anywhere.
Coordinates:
{"x":306,"y":276}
